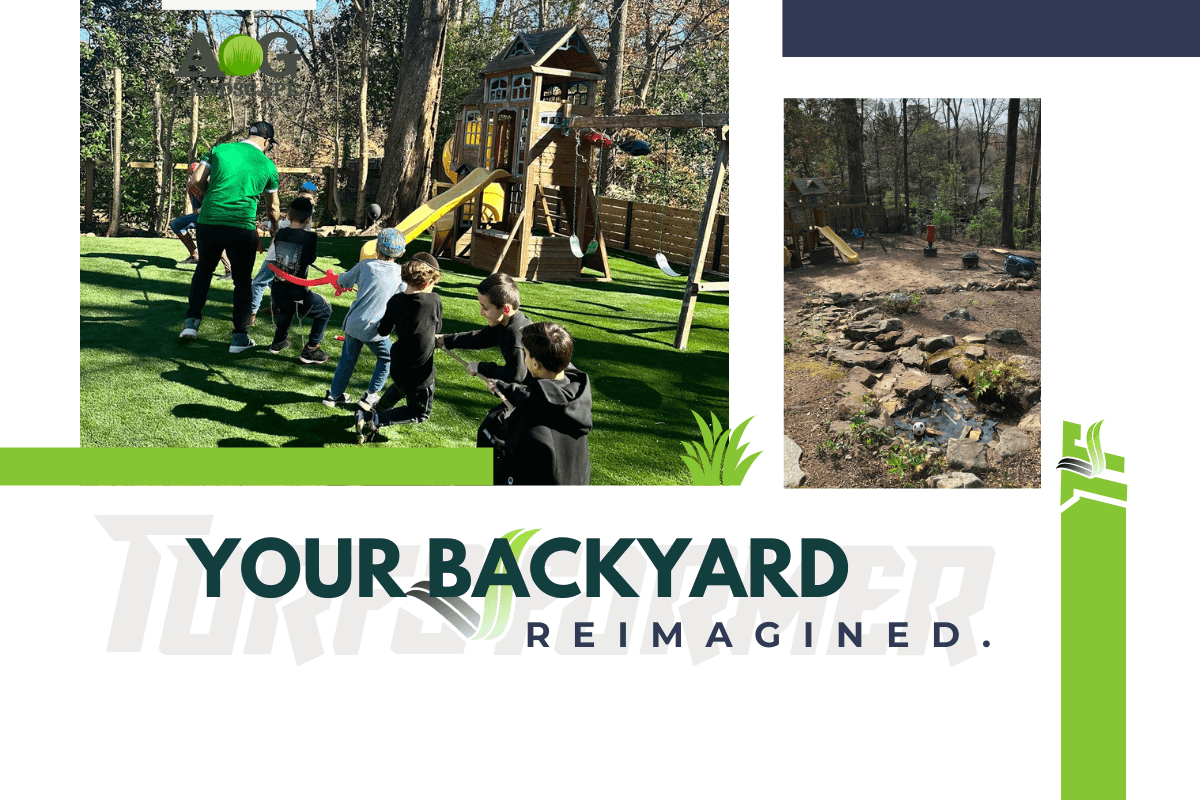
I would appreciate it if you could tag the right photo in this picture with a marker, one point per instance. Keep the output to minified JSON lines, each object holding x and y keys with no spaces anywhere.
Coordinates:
{"x":912,"y":293}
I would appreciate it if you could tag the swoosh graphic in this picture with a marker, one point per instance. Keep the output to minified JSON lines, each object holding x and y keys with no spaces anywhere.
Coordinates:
{"x":1095,"y":454}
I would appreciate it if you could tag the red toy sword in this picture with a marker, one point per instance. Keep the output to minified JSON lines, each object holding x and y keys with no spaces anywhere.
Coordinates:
{"x":329,"y":278}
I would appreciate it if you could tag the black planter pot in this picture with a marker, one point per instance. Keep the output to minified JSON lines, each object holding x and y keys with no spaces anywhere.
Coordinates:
{"x":970,"y":260}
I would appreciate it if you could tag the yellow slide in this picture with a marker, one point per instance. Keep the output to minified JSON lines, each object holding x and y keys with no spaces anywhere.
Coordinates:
{"x":416,"y":222}
{"x":850,"y":256}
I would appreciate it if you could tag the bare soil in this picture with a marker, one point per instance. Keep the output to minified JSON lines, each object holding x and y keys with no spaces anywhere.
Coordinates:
{"x":811,"y":382}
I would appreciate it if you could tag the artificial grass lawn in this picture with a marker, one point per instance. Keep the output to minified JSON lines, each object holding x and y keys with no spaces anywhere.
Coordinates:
{"x":140,"y":387}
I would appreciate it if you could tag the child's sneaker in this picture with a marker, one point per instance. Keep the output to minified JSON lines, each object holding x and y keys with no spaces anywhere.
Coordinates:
{"x":190,"y":260}
{"x":191,"y":329}
{"x":332,"y":401}
{"x":313,"y":354}
{"x":240,"y":343}
{"x":368,"y":401}
{"x":365,"y":426}
{"x":282,"y":344}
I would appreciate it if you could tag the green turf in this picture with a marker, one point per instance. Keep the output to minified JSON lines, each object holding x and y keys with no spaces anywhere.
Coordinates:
{"x":140,"y":387}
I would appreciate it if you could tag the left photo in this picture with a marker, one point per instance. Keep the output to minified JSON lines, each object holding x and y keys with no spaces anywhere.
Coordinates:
{"x":426,"y":224}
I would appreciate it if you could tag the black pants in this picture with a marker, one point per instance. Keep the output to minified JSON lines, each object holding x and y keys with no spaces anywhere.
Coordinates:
{"x":311,"y":305}
{"x":241,"y":245}
{"x":418,"y":405}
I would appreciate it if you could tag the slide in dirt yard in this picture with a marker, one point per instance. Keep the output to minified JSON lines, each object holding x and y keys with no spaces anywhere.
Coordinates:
{"x":850,"y":256}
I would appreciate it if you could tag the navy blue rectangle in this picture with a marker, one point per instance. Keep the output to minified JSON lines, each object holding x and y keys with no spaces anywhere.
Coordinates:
{"x":875,"y":28}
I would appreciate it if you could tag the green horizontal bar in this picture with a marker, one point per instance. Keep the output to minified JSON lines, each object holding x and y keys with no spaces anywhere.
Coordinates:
{"x":245,"y":466}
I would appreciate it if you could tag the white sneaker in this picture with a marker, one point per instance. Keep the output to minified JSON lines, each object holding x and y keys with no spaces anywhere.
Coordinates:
{"x":191,"y":329}
{"x":368,"y":401}
{"x":332,"y":401}
{"x":240,"y":343}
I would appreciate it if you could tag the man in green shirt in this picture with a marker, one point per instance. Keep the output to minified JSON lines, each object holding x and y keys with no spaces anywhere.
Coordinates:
{"x":235,"y":176}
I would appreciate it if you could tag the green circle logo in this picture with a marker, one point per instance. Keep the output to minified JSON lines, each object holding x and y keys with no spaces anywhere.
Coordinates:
{"x":240,"y":55}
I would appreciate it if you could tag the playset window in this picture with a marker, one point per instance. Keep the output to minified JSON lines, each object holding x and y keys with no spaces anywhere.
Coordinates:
{"x":472,"y":135}
{"x":518,"y":49}
{"x":552,"y":93}
{"x":498,"y":90}
{"x":577,"y":93}
{"x":522,"y":87}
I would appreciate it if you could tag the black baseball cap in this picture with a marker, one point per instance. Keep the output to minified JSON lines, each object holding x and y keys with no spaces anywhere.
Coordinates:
{"x":264,"y":129}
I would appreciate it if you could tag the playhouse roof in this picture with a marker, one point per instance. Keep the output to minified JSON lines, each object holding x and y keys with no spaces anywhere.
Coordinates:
{"x":475,"y":97}
{"x":532,"y":49}
{"x":809,"y":186}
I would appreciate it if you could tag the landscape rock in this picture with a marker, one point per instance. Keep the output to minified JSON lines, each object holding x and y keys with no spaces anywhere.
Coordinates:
{"x":975,"y":353}
{"x":864,"y":313}
{"x":1013,"y":441}
{"x":914,"y":384}
{"x":967,"y":455}
{"x":859,"y":346}
{"x":960,"y":367}
{"x":942,"y":382}
{"x":959,"y":313}
{"x":847,"y":407}
{"x":974,"y":338}
{"x":954,"y":480}
{"x":891,"y":324}
{"x":861,"y":375}
{"x":913,"y":357}
{"x":854,"y":388}
{"x":793,"y":476}
{"x":859,"y":358}
{"x":1007,"y":335}
{"x":938,"y":362}
{"x":932,"y":344}
{"x":1032,"y":421}
{"x":887,"y":341}
{"x":908,"y":339}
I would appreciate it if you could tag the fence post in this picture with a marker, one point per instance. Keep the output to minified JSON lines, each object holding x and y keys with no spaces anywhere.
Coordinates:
{"x":628,"y":222}
{"x":89,"y":184}
{"x":329,"y":188}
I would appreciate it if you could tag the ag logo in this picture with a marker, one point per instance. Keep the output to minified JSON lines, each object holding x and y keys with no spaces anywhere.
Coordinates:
{"x":239,"y":55}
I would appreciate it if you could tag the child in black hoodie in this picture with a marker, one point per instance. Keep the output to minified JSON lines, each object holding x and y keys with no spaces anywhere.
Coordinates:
{"x":416,"y":316}
{"x":545,"y":434}
{"x":499,"y":304}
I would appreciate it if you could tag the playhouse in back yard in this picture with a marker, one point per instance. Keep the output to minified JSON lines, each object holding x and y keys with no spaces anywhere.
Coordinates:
{"x":515,"y":125}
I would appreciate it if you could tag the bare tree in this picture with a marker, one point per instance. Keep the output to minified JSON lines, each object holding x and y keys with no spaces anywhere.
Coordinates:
{"x":1033,"y":168}
{"x":987,"y":112}
{"x":904,"y":122}
{"x":614,"y":73}
{"x":1010,"y":172}
{"x":408,"y":152}
{"x":156,"y":200}
{"x":366,"y":13}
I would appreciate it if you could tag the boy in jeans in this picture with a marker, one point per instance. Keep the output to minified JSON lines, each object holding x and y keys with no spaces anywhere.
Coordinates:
{"x":263,"y":278}
{"x":295,"y":251}
{"x":378,"y":279}
{"x":416,"y":318}
{"x":545,"y":434}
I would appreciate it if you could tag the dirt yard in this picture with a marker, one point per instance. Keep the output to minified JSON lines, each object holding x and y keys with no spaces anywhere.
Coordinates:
{"x":820,"y":301}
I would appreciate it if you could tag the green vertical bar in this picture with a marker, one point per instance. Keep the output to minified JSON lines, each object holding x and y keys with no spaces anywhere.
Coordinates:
{"x":1093,"y":650}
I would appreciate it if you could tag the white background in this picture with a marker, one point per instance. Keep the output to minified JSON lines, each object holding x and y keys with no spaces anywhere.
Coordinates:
{"x":1120,"y":178}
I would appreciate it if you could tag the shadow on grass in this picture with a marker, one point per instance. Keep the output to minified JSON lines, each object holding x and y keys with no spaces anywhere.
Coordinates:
{"x":257,"y":414}
{"x":141,"y":262}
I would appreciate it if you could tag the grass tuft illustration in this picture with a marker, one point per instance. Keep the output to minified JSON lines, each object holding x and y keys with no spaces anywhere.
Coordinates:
{"x":717,"y":459}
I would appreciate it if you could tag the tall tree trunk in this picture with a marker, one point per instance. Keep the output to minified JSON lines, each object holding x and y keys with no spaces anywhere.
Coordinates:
{"x":366,"y":14}
{"x":1033,"y":171}
{"x":337,"y":130}
{"x":156,"y":200}
{"x":643,"y":89}
{"x":854,"y":149}
{"x":904,"y":122}
{"x":193,"y":143}
{"x":1010,"y":173}
{"x":256,"y":78}
{"x":408,"y":153}
{"x":114,"y":213}
{"x":498,"y":11}
{"x":613,"y":78}
{"x":169,"y":153}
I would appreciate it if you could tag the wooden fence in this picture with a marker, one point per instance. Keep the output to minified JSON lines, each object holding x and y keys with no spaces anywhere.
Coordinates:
{"x":634,"y":227}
